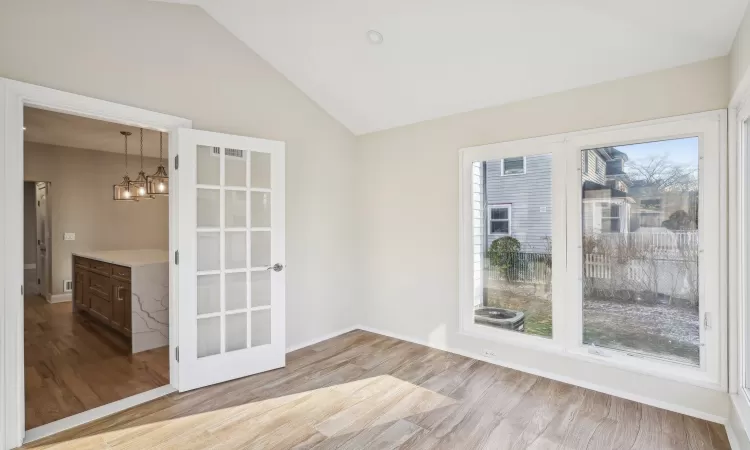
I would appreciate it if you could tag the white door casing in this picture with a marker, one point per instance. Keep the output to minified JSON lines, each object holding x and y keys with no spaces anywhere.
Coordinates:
{"x":231,"y":212}
{"x":14,"y":95}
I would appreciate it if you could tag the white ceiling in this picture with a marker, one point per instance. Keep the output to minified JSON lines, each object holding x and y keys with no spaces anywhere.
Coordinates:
{"x":66,"y":130}
{"x":441,"y":57}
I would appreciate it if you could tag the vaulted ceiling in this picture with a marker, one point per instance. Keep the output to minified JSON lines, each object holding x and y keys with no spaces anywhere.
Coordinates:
{"x":441,"y":57}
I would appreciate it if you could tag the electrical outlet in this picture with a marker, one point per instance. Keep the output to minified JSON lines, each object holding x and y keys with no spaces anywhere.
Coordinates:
{"x":489,"y":353}
{"x":69,"y":237}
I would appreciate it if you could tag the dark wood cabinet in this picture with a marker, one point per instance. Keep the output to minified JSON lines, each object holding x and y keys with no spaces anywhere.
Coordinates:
{"x":121,"y":316}
{"x":79,"y":282}
{"x":103,"y":291}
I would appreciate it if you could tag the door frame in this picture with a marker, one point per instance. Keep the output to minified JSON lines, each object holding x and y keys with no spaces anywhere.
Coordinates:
{"x":47,"y":267}
{"x":14,"y":95}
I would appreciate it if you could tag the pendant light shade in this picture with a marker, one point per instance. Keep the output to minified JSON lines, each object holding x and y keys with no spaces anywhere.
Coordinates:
{"x":158,"y":183}
{"x":138,"y":187}
{"x":121,"y":191}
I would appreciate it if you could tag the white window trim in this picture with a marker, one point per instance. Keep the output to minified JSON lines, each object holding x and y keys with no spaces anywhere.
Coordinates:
{"x":509,"y":207}
{"x":739,"y":259}
{"x":607,"y":206}
{"x":502,"y":168}
{"x":567,"y":302}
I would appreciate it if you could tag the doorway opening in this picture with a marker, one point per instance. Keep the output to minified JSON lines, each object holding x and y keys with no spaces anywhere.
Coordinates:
{"x":96,"y":309}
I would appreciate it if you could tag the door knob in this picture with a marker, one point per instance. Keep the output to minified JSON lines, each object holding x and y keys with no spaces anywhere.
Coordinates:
{"x":276,"y":267}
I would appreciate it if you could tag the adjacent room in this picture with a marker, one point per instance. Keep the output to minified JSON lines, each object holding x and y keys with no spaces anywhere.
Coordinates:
{"x":454,"y":224}
{"x":96,"y":291}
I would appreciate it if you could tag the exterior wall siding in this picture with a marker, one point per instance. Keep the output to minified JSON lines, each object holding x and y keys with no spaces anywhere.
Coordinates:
{"x":530,"y":197}
{"x":478,"y":229}
{"x":591,"y":175}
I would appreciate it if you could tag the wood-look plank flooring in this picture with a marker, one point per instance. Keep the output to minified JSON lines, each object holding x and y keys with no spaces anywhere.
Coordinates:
{"x":73,"y":364}
{"x":367,"y":391}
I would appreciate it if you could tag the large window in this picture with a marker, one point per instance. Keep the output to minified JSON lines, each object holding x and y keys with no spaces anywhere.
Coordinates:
{"x":608,"y":247}
{"x":514,"y":250}
{"x":640,"y":287}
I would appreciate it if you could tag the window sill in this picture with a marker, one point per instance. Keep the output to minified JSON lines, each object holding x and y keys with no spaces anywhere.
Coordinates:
{"x":609,"y":358}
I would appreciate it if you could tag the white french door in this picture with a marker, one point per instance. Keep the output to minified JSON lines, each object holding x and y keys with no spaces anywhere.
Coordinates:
{"x":231,"y":257}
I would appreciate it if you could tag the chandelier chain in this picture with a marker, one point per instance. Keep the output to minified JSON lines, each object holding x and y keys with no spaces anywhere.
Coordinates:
{"x":126,"y":153}
{"x":141,"y":149}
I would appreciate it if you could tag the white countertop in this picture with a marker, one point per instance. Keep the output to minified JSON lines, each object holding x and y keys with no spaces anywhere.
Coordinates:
{"x":129,"y":258}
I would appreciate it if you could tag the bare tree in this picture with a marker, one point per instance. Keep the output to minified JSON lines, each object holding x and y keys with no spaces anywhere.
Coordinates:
{"x":664,"y":175}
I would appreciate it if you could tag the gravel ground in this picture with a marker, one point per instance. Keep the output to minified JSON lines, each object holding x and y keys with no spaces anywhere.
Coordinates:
{"x":671,"y":332}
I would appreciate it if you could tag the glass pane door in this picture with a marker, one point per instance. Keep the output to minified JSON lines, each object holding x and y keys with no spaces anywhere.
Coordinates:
{"x":238,"y":236}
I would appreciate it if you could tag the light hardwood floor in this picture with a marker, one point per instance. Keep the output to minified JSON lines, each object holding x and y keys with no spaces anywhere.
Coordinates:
{"x":73,"y":364}
{"x":362,"y":390}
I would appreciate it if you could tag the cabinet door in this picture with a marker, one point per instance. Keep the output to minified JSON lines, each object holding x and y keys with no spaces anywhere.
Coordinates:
{"x":78,"y":287}
{"x":120,"y":303}
{"x":85,"y":289}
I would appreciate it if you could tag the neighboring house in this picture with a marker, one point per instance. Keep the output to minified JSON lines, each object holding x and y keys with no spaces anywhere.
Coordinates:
{"x":606,"y":197}
{"x":518,"y":197}
{"x":654,"y":206}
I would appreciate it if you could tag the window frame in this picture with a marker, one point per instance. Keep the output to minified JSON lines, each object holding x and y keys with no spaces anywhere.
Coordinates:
{"x":739,"y":256}
{"x":567,"y":333}
{"x":610,"y":217}
{"x":502,"y":166}
{"x":509,"y":208}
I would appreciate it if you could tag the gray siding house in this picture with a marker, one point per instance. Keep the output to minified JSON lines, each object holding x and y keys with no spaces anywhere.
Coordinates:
{"x":518,"y":194}
{"x":518,"y":197}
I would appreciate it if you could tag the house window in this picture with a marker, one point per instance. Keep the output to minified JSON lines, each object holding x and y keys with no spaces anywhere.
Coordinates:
{"x":514,"y":166}
{"x":499,"y":219}
{"x":610,"y":218}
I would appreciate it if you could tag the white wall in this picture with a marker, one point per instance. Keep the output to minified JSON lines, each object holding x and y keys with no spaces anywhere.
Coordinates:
{"x":408,"y":191}
{"x":80,"y":202}
{"x":739,"y":56}
{"x":175,"y":59}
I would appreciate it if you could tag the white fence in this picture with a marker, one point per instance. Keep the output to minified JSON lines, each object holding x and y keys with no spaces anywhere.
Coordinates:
{"x":662,"y":263}
{"x":664,"y":257}
{"x":654,"y":239}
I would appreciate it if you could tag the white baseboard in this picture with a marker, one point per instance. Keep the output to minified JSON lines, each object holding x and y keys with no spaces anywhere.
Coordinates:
{"x":320,"y":339}
{"x":29,"y":266}
{"x":564,"y":379}
{"x":59,"y":298}
{"x":95,"y":413}
{"x":739,"y":423}
{"x":734,"y":443}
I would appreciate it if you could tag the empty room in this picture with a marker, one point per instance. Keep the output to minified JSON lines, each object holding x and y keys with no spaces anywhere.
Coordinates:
{"x":255,"y":224}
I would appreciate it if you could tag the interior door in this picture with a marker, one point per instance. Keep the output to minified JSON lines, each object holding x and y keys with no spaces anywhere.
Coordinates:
{"x":43,"y":261}
{"x":231,"y":257}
